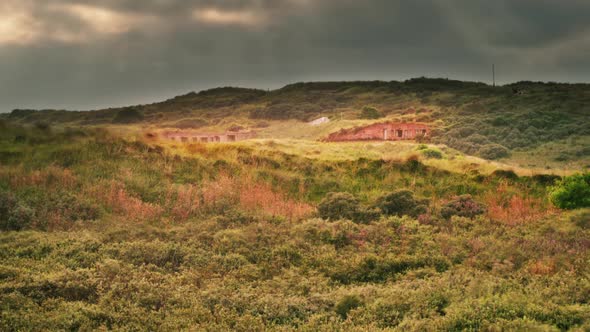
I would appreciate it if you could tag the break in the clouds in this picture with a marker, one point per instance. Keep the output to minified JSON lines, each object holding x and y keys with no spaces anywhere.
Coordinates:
{"x":83,"y":54}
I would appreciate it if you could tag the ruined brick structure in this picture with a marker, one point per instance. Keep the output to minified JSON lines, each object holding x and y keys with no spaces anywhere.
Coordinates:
{"x":388,"y":131}
{"x":194,"y":137}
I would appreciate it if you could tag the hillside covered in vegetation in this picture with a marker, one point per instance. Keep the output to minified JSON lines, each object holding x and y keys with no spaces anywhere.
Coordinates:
{"x":516,"y":122}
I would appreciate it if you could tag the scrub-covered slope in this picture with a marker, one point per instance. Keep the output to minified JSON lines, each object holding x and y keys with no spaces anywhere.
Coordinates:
{"x":99,"y":232}
{"x":523,"y":120}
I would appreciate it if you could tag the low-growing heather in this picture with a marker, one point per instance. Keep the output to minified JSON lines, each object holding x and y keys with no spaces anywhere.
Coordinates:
{"x":462,"y":206}
{"x":128,"y":235}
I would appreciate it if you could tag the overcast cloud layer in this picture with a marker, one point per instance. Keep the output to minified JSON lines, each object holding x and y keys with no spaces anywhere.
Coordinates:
{"x":84,"y":54}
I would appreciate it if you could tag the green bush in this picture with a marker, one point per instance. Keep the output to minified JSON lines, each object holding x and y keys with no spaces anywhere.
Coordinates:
{"x":402,"y":202}
{"x":373,"y":268}
{"x":432,"y":153}
{"x":14,"y":215}
{"x":413,"y":164}
{"x":505,"y":174}
{"x":7,"y":203}
{"x":478,"y":139}
{"x":338,"y":206}
{"x":370,"y":113}
{"x":500,"y":121}
{"x":365,"y":215}
{"x":571,"y":192}
{"x":346,"y":304}
{"x":73,"y":208}
{"x":345,"y":206}
{"x":462,"y":206}
{"x":493,"y":151}
{"x":21,"y":217}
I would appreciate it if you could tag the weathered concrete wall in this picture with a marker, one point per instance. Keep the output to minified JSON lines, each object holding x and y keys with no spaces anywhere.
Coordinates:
{"x":194,"y":137}
{"x":388,"y":131}
{"x":319,"y":121}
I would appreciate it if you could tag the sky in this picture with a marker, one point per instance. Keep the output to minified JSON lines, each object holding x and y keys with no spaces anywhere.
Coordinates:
{"x":88,"y":54}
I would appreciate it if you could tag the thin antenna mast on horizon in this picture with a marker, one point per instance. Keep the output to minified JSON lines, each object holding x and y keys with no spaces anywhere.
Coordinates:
{"x":494,"y":74}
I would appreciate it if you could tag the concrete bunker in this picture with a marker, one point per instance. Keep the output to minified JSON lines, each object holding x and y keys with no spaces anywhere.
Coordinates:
{"x":194,"y":137}
{"x":387,"y":131}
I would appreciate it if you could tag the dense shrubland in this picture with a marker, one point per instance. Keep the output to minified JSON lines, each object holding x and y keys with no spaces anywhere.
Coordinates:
{"x":104,"y":233}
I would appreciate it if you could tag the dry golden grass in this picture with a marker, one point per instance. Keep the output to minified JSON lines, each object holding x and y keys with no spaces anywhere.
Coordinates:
{"x":122,"y":203}
{"x":299,"y":138}
{"x":254,"y":197}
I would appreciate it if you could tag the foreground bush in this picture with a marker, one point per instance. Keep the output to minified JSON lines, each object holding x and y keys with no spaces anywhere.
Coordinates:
{"x":14,"y":215}
{"x":462,"y":206}
{"x":345,"y":206}
{"x":402,"y":202}
{"x":572,"y":192}
{"x":338,"y":206}
{"x":347,"y":304}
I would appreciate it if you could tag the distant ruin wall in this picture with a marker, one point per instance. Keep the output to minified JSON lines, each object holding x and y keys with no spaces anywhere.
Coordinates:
{"x":193,"y":137}
{"x":388,"y":131}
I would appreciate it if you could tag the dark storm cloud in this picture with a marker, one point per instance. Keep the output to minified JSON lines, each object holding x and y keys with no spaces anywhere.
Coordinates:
{"x":89,"y":53}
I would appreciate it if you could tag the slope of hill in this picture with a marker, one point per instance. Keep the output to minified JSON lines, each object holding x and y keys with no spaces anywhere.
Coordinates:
{"x":539,"y":125}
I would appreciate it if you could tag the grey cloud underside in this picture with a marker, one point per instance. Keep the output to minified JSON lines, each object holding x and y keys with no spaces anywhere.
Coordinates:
{"x":295,"y":40}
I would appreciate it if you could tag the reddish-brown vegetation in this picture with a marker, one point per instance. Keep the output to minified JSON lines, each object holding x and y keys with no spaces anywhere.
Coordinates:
{"x":254,"y":197}
{"x":50,"y":177}
{"x":182,"y":202}
{"x":512,"y":208}
{"x":126,"y":205}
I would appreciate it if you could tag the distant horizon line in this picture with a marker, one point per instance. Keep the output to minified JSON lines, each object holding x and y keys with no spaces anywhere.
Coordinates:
{"x":268,"y":90}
